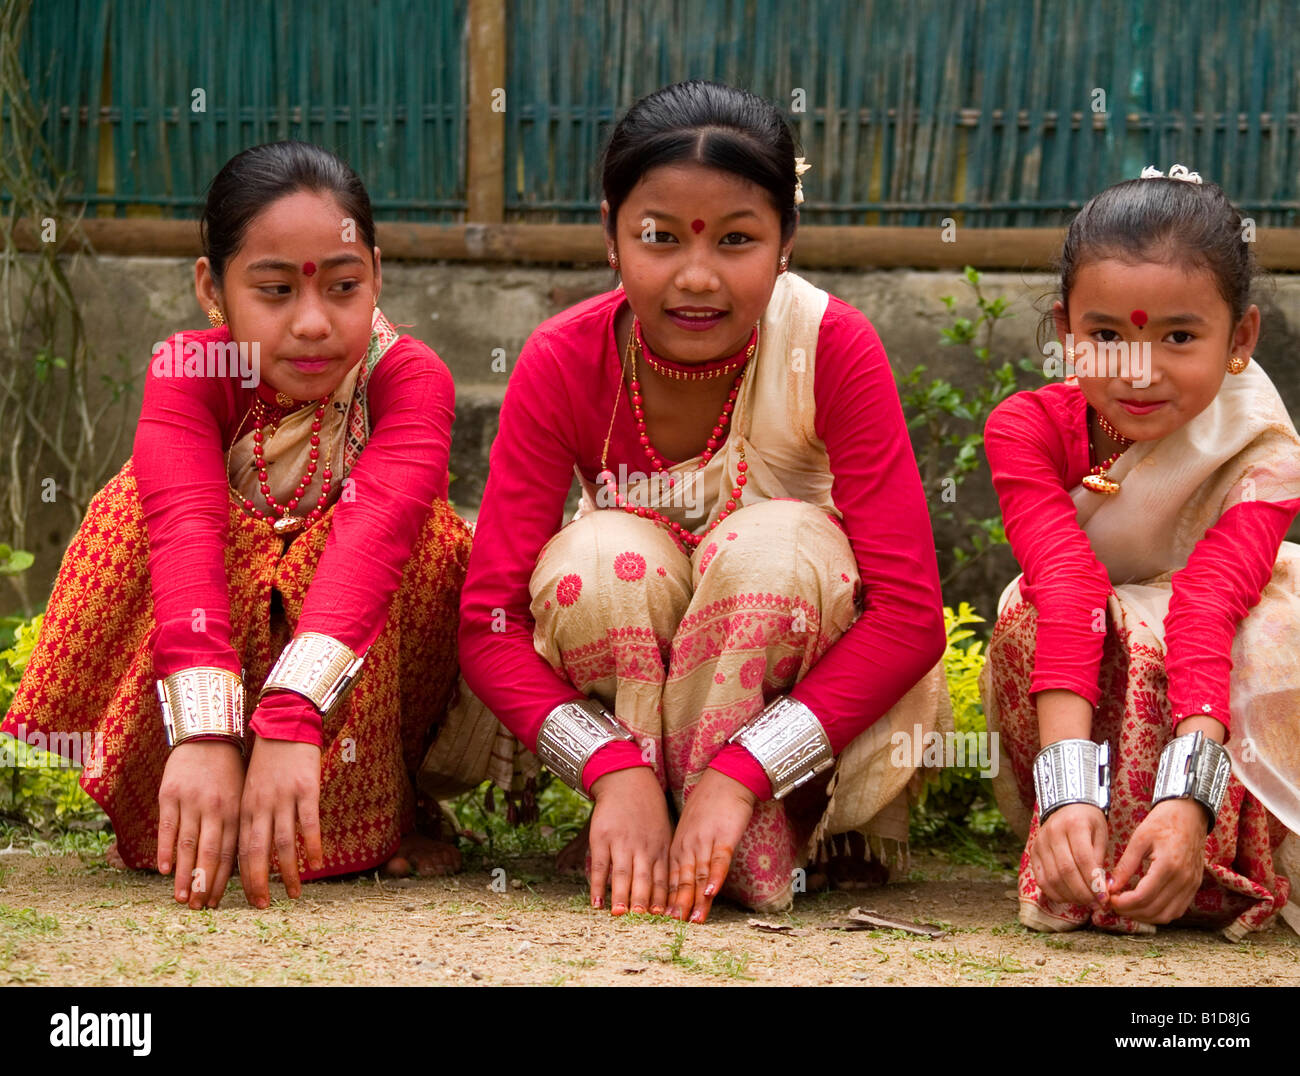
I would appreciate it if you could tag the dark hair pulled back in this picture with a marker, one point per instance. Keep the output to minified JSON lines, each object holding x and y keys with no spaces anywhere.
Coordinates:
{"x":1169,"y":220}
{"x":254,"y":178}
{"x":708,"y":123}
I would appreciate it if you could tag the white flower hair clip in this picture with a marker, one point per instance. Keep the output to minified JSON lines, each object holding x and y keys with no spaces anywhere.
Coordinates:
{"x":800,"y":167}
{"x":1178,"y":171}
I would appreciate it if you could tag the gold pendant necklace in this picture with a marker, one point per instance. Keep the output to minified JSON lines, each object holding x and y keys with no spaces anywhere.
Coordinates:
{"x":1097,"y":479}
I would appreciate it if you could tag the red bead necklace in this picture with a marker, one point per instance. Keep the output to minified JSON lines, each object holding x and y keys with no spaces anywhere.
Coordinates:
{"x":684,"y":538}
{"x":718,"y":427}
{"x":284,"y":522}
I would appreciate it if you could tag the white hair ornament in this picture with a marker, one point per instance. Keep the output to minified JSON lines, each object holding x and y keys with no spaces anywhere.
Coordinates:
{"x":1178,"y":171}
{"x":800,"y":167}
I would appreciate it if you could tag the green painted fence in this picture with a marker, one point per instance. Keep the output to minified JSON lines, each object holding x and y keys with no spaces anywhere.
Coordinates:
{"x":913,"y":109}
{"x":378,"y":82}
{"x":996,"y":112}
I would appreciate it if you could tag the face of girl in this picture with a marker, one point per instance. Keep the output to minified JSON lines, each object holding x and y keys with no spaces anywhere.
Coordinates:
{"x":699,"y":251}
{"x":1184,"y":319}
{"x":299,"y":290}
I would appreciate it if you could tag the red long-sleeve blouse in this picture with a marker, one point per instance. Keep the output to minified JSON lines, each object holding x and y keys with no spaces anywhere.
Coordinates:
{"x":556,"y":413}
{"x":1037,"y":448}
{"x":186,"y":426}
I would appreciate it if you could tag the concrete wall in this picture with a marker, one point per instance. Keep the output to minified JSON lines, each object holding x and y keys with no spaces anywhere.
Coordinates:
{"x":467,"y":312}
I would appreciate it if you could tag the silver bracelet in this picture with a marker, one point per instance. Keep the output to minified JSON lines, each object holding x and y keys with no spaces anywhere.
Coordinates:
{"x":316,"y":666}
{"x":571,"y":734}
{"x":789,"y":743}
{"x":1193,"y":766}
{"x":1072,"y":771}
{"x":202,"y":703}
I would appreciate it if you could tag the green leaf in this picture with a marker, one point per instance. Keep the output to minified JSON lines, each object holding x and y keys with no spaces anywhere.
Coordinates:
{"x":13,"y":561}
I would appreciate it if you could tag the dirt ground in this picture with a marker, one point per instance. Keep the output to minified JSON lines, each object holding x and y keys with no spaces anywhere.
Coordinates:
{"x":69,"y":922}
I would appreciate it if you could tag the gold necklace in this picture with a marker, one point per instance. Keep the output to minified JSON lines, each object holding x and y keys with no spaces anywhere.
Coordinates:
{"x":1097,"y":479}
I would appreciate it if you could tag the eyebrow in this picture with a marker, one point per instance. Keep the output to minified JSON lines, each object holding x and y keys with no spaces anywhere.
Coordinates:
{"x":280,"y":265}
{"x":677,"y":220}
{"x":1172,"y":319}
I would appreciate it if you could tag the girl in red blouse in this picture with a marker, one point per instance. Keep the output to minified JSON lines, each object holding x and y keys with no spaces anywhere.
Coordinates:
{"x":279,"y":547}
{"x":749,"y":587}
{"x":1146,"y":499}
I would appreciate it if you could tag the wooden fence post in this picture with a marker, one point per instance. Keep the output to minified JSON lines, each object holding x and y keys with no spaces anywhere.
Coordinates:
{"x":485,"y":122}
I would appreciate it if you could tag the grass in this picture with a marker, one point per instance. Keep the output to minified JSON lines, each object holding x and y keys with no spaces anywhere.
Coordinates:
{"x":10,"y":972}
{"x":87,"y":843}
{"x":723,"y":962}
{"x":972,"y":966}
{"x":26,"y":921}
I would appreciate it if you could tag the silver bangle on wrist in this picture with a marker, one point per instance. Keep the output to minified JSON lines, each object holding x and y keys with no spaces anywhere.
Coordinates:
{"x":1072,"y":771}
{"x":571,"y":734}
{"x":789,"y":743}
{"x":1193,"y":766}
{"x":202,"y":703}
{"x":316,"y":666}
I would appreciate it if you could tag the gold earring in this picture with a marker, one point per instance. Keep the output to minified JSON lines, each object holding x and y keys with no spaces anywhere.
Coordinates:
{"x":216,"y":318}
{"x":613,"y":260}
{"x":1237,"y":364}
{"x":785,"y":261}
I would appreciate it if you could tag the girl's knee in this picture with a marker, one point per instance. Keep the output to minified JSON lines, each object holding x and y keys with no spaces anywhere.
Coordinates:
{"x":775,"y":544}
{"x":612,"y":557}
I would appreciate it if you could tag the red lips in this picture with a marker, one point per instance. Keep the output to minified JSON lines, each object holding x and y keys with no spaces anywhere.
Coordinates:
{"x":1142,"y":407}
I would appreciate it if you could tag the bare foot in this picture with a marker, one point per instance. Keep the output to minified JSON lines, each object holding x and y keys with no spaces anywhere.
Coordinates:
{"x":572,"y":858}
{"x":423,"y":856}
{"x":114,"y":857}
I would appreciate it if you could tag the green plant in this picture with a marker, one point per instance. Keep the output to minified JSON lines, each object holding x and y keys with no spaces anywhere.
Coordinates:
{"x":956,"y":809}
{"x":952,"y":421}
{"x":561,"y":814}
{"x":39,"y":792}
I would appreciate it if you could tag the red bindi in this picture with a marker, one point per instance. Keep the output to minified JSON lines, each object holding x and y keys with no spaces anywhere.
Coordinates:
{"x":697,"y":225}
{"x":308,"y":268}
{"x":1138,"y":318}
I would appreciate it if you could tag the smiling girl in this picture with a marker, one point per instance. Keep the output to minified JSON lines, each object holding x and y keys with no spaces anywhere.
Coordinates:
{"x":749,"y":587}
{"x":1159,"y":609}
{"x":267,"y":547}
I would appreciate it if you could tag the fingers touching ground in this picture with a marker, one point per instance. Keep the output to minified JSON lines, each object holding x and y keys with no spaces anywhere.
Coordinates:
{"x":630,"y":835}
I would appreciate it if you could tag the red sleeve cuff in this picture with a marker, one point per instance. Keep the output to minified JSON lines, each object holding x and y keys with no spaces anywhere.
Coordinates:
{"x":737,"y":763}
{"x":1088,"y":689}
{"x":285,"y":715}
{"x":619,"y":755}
{"x":1180,"y":710}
